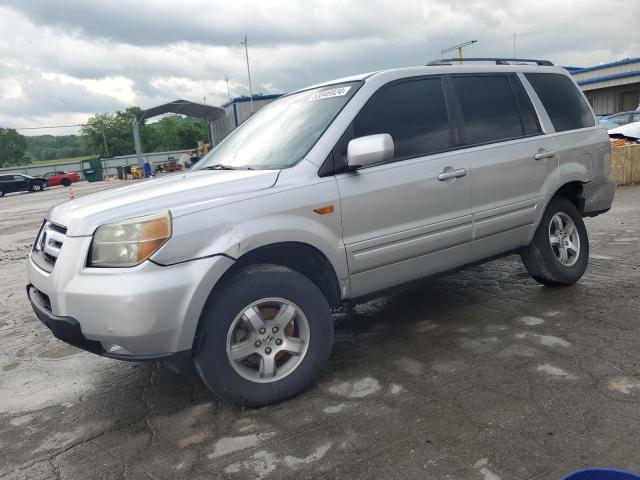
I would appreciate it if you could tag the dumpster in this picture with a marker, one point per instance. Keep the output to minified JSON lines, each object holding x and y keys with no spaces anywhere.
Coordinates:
{"x":92,"y":169}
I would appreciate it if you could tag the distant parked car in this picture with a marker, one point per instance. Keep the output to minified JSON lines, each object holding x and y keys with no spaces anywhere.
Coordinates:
{"x":61,"y":178}
{"x":623,"y":118}
{"x":608,"y":124}
{"x":630,"y":132}
{"x":21,"y":183}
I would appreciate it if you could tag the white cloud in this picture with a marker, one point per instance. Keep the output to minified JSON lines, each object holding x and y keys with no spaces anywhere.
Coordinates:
{"x":63,"y":60}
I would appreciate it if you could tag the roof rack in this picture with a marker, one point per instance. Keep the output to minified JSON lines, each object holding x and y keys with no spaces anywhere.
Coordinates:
{"x":499,"y":61}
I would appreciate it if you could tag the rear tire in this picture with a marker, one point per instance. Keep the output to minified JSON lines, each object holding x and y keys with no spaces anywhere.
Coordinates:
{"x":559,"y":251}
{"x":66,"y":182}
{"x":247,"y":361}
{"x":1,"y":193}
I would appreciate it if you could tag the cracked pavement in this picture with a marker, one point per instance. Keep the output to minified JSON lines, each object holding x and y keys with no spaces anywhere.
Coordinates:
{"x":479,"y":374}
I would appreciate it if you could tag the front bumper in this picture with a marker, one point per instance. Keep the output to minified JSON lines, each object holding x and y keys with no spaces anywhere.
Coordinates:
{"x":145,"y":312}
{"x":68,"y":330}
{"x":597,"y":195}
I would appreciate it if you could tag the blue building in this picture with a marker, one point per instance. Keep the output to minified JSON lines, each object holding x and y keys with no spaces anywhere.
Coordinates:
{"x":611,"y":87}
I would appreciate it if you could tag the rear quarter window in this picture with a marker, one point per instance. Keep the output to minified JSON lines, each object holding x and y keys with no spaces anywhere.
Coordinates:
{"x":564,"y":104}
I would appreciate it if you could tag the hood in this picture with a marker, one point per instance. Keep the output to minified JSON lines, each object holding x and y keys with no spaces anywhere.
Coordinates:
{"x":174,"y":192}
{"x":631,"y":130}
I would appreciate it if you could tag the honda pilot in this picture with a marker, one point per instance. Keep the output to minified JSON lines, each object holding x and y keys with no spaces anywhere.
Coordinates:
{"x":328,"y":194}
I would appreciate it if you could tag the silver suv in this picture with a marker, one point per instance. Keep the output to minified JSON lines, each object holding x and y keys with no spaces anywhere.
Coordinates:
{"x":329,"y":193}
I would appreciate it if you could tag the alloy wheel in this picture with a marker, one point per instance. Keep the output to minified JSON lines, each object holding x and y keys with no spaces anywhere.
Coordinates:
{"x":268,"y":340}
{"x":564,"y":239}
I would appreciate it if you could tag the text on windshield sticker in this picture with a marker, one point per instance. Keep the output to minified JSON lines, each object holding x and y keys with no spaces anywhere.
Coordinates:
{"x":332,"y":92}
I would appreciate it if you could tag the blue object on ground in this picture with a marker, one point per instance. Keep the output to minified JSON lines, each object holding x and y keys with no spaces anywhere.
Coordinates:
{"x":147,"y":169}
{"x":602,"y":474}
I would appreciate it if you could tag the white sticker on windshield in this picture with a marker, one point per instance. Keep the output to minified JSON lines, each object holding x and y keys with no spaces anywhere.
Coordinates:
{"x":332,"y":92}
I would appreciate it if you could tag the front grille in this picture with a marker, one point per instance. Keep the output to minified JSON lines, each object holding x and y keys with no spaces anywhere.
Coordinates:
{"x":48,"y":244}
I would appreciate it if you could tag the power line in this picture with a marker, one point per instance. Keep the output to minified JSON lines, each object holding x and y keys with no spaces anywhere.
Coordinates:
{"x":49,"y":126}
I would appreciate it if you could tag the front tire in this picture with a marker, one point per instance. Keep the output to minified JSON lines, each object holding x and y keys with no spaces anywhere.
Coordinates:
{"x":266,"y":335}
{"x":36,"y":187}
{"x":559,"y":251}
{"x":66,"y":182}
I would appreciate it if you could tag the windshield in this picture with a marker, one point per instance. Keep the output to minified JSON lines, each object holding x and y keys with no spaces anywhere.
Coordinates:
{"x":283,"y":132}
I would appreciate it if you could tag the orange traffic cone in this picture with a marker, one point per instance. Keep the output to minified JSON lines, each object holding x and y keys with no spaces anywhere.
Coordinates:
{"x":72,"y":196}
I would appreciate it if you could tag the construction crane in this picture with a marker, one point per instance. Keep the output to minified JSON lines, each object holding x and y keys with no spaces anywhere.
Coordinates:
{"x":459,"y":48}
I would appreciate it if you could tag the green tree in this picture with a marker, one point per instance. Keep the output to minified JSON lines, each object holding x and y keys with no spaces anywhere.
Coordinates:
{"x":13,"y":148}
{"x":111,"y":134}
{"x":50,"y":147}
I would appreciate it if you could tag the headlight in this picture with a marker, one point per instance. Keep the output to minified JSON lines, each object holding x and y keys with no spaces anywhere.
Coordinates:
{"x":129,"y":242}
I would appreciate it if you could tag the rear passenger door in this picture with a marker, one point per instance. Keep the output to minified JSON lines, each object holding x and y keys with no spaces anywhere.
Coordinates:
{"x":513,"y":164}
{"x":6,"y":183}
{"x":408,"y":217}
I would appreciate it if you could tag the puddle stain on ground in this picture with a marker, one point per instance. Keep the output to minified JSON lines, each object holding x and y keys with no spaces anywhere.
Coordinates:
{"x":334,"y":408}
{"x":624,"y":385}
{"x":409,"y":365}
{"x":481,"y":466}
{"x":228,"y":445}
{"x":531,"y":321}
{"x":358,"y":389}
{"x":546,"y":340}
{"x":555,"y":371}
{"x":263,"y":463}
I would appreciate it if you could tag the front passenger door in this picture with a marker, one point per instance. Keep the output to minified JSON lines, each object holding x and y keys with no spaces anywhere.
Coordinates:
{"x":408,"y":217}
{"x":20,"y":183}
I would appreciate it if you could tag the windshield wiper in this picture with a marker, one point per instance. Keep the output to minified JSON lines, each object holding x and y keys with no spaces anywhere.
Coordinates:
{"x":221,"y":166}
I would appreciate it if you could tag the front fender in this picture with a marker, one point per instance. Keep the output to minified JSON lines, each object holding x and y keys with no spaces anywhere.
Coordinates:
{"x":285,"y":215}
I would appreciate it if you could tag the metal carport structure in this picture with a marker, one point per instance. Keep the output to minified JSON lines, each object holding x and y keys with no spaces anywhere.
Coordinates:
{"x":182,"y":107}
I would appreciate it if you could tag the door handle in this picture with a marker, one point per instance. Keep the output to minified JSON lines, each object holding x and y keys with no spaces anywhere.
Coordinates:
{"x":447,"y":175}
{"x":545,"y":154}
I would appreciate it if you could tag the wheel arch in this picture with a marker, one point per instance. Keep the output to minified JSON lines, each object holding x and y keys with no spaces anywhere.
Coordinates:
{"x":572,"y":191}
{"x":298,"y":256}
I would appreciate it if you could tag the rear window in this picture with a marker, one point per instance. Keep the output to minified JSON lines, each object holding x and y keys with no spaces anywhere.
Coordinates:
{"x":489,"y":108}
{"x":564,"y":104}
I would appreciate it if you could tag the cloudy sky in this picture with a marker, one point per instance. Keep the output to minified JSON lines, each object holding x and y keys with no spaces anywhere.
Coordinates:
{"x":62,"y":61}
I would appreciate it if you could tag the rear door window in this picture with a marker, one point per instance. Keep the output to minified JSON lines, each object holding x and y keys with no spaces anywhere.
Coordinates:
{"x":562,"y":100}
{"x":413,"y":112}
{"x":489,"y":109}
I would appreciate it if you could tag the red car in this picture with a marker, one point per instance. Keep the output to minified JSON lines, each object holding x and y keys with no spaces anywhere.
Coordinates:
{"x":61,"y":178}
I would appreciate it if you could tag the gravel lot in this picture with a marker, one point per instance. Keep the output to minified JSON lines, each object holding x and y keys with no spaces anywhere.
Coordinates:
{"x":481,"y":374}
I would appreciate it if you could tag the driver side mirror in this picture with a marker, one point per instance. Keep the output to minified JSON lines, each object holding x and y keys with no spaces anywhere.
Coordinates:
{"x":369,"y":150}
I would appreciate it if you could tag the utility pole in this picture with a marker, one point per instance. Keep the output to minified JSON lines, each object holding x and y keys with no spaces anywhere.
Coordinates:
{"x":514,"y":45}
{"x":246,"y":52}
{"x":459,"y":48}
{"x":104,"y":139}
{"x":228,"y":92}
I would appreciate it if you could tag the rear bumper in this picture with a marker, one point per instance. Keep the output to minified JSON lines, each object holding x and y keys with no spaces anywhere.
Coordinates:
{"x":68,"y":330}
{"x":597,"y":195}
